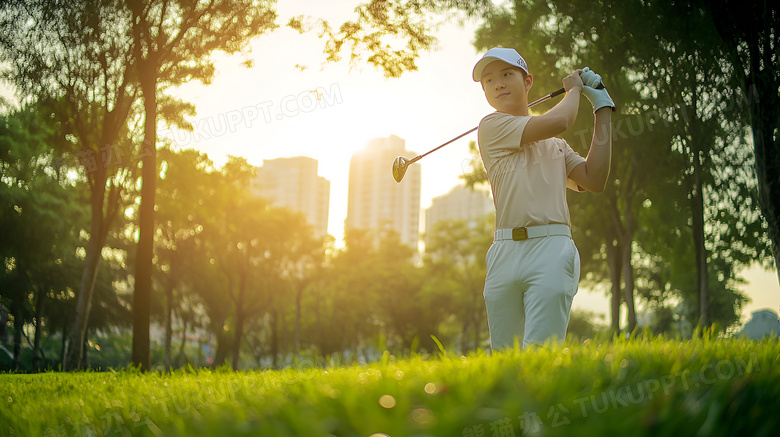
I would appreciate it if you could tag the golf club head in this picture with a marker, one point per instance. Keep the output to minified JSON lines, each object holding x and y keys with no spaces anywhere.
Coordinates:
{"x":399,"y":168}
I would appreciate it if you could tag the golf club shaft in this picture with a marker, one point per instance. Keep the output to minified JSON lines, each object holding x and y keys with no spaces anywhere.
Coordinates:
{"x":548,"y":96}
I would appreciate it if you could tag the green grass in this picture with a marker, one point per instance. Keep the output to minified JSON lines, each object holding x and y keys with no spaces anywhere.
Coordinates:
{"x":651,"y":387}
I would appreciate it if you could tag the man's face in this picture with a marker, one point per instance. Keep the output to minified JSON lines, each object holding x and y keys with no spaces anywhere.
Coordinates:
{"x":506,"y":87}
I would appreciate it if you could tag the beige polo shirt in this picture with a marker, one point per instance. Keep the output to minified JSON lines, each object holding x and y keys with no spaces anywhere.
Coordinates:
{"x":529,"y":181}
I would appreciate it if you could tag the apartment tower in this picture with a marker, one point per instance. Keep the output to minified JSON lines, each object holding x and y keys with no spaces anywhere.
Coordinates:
{"x":376,"y":200}
{"x":294,"y":183}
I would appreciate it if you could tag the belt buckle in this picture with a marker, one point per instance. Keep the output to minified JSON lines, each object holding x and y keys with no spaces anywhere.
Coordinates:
{"x":519,"y":234}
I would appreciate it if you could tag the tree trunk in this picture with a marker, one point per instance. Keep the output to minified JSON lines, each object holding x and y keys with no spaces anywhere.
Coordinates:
{"x":274,"y":338}
{"x":16,"y":310}
{"x":37,"y":352}
{"x":142,"y":295}
{"x":764,"y":118}
{"x":168,"y":323}
{"x":477,"y":331}
{"x":63,"y":344}
{"x":614,"y":264}
{"x":759,"y":85}
{"x":85,"y":352}
{"x":180,"y":359}
{"x":343,"y":345}
{"x":628,"y":285}
{"x":3,"y":321}
{"x":464,"y":334}
{"x":284,"y":345}
{"x":697,"y":220}
{"x":768,"y":172}
{"x":702,"y":278}
{"x":626,"y":245}
{"x":222,"y":349}
{"x":74,"y":344}
{"x":477,"y":317}
{"x":298,"y":297}
{"x":240,"y":317}
{"x":317,"y":327}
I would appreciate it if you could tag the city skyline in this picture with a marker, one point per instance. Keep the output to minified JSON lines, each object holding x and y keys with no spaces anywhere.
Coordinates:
{"x":292,"y":104}
{"x":295,"y":183}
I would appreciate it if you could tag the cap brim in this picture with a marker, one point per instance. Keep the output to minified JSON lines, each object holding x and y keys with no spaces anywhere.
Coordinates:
{"x":476,"y":74}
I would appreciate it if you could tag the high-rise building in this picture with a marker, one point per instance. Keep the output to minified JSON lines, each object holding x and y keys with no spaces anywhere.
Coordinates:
{"x":376,"y":200}
{"x":294,"y":183}
{"x":460,"y":203}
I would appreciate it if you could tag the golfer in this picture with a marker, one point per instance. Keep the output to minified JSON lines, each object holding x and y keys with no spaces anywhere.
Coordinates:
{"x":533,"y":265}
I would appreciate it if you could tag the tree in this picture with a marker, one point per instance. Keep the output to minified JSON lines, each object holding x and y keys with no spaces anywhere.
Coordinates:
{"x":67,"y":55}
{"x":375,"y":291}
{"x":186,"y":182}
{"x":707,"y":134}
{"x":403,"y":310}
{"x":301,"y":262}
{"x":42,"y":214}
{"x":455,"y":275}
{"x":293,"y":259}
{"x":748,"y":32}
{"x":649,"y":72}
{"x":376,"y":34}
{"x":172,"y":43}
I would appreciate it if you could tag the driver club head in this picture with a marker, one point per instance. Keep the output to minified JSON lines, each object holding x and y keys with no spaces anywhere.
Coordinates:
{"x":399,"y":168}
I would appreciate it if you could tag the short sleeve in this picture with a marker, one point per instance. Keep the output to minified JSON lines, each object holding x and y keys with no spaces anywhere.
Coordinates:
{"x":501,"y":133}
{"x":573,"y":159}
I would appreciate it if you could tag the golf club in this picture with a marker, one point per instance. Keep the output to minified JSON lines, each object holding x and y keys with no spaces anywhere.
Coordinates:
{"x":400,"y":164}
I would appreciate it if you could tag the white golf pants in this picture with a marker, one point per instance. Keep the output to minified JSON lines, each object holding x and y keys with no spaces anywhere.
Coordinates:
{"x":529,"y":289}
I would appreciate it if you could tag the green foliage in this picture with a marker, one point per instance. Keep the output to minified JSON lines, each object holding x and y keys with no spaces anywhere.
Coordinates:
{"x":42,"y":214}
{"x":225,"y":250}
{"x":747,"y":32}
{"x":583,"y":325}
{"x":455,"y":271}
{"x":389,"y":34}
{"x":232,"y":266}
{"x":646,"y":386}
{"x":681,"y":180}
{"x":374,"y":287}
{"x":74,"y":60}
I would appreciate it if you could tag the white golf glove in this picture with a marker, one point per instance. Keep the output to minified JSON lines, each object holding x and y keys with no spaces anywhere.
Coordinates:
{"x":598,"y":97}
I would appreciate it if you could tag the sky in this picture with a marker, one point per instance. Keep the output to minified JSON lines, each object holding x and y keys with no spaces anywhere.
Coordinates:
{"x":291,"y":104}
{"x":271,"y":110}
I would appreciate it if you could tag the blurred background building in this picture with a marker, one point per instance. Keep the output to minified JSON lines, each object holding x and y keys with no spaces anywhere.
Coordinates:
{"x":294,"y":183}
{"x":460,"y":203}
{"x":375,"y":199}
{"x":763,"y":323}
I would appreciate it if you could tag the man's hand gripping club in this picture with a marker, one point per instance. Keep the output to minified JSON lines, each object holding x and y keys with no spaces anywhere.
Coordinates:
{"x":594,"y":90}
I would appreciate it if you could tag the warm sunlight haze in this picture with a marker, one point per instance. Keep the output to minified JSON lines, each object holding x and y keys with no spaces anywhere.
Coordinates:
{"x":389,"y":218}
{"x":271,"y":110}
{"x":281,"y":100}
{"x":291,"y":103}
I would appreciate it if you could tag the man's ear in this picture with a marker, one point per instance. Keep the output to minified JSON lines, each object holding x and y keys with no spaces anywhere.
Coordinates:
{"x":529,"y":82}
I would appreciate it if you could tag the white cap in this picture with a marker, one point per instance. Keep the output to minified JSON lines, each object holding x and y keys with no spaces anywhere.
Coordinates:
{"x":510,"y":56}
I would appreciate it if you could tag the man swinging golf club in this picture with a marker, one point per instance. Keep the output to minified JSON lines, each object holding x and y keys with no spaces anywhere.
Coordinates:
{"x":533,"y":266}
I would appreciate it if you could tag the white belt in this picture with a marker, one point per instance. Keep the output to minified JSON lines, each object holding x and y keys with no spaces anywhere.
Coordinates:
{"x":524,"y":233}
